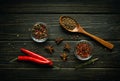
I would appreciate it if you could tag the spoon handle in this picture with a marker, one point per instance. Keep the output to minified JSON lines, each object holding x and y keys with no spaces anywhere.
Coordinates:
{"x":103,"y":42}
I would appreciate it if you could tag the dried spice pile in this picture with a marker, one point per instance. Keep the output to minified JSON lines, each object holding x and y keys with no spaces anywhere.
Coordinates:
{"x":39,"y":31}
{"x":83,"y":49}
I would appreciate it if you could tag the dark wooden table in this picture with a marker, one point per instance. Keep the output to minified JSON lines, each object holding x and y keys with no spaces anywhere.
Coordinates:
{"x":99,"y":17}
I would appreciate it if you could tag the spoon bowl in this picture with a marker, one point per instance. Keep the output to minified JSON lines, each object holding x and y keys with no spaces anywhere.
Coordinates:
{"x":71,"y":25}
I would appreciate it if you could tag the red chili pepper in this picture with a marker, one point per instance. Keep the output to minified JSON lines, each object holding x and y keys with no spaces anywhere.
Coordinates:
{"x":28,"y":58}
{"x":32,"y":54}
{"x":33,"y":57}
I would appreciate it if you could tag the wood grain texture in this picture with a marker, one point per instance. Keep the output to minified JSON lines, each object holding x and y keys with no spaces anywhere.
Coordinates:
{"x":98,"y":17}
{"x":11,"y":50}
{"x":87,"y":74}
{"x":47,"y":6}
{"x":93,"y":23}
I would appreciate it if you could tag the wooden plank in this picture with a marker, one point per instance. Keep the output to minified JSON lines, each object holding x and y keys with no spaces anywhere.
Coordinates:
{"x":84,"y":6}
{"x":17,"y":27}
{"x":88,"y":74}
{"x":10,"y":50}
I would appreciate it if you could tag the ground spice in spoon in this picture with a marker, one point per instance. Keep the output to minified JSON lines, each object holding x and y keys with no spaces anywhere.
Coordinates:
{"x":68,"y":23}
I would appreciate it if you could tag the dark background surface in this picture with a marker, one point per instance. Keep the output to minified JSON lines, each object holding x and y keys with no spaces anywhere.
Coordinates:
{"x":99,"y":17}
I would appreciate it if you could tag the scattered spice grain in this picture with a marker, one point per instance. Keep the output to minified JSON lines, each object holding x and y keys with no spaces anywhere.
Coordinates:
{"x":17,"y":35}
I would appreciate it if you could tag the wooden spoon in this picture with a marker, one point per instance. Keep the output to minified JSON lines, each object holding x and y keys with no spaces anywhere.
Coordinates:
{"x":71,"y":25}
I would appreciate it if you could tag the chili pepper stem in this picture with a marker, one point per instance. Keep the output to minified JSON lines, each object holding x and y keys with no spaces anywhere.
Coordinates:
{"x":56,"y":67}
{"x":14,"y":59}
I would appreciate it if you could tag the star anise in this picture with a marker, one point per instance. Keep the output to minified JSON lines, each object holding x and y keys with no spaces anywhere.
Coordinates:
{"x":67,"y":47}
{"x":58,"y":40}
{"x":64,"y":56}
{"x":49,"y":48}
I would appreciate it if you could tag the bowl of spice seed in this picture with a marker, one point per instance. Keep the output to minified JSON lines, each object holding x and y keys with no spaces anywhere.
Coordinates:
{"x":39,"y":32}
{"x":83,"y":50}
